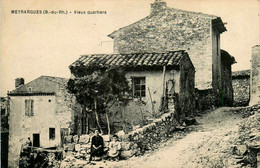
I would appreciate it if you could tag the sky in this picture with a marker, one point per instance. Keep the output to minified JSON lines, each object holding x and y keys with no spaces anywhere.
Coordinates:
{"x":35,"y":44}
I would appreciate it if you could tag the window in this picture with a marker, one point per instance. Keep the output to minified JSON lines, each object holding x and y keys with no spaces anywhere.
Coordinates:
{"x":28,"y":107}
{"x":139,"y":86}
{"x":30,"y":89}
{"x":52,"y":133}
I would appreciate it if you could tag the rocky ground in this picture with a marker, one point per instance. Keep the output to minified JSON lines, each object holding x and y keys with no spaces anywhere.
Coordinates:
{"x":217,"y":141}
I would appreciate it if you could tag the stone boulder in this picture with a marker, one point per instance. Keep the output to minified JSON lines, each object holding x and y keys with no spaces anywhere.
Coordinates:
{"x":126,"y":154}
{"x":126,"y":145}
{"x":84,"y":138}
{"x":106,"y":138}
{"x":75,"y":138}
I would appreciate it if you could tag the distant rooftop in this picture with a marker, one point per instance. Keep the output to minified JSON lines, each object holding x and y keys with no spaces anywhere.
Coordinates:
{"x":241,"y":74}
{"x":39,"y":90}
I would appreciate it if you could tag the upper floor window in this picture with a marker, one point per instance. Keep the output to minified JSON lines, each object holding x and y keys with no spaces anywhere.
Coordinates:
{"x":139,"y":86}
{"x":30,"y":89}
{"x":28,"y":107}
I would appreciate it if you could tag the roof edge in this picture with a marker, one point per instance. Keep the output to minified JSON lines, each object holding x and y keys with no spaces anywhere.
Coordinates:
{"x":32,"y":94}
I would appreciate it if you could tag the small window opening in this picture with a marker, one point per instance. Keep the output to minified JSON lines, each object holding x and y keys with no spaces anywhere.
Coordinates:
{"x":51,"y":133}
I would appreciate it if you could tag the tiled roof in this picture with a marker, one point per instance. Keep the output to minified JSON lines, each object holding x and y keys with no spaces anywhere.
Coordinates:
{"x":171,"y":58}
{"x":225,"y":54}
{"x":38,"y":87}
{"x":59,"y":80}
{"x":243,"y":73}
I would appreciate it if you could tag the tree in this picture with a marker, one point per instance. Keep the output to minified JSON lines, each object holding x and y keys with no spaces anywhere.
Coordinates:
{"x":98,"y":89}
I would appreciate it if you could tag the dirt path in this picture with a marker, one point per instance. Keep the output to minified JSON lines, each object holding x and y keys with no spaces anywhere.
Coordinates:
{"x":209,"y":146}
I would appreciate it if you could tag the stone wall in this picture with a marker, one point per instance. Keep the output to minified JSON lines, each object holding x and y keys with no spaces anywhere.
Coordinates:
{"x":67,"y":110}
{"x":255,"y":76}
{"x":204,"y":100}
{"x":133,"y":143}
{"x":186,"y":102}
{"x":149,"y":136}
{"x":246,"y":149}
{"x":241,"y":90}
{"x":169,"y":30}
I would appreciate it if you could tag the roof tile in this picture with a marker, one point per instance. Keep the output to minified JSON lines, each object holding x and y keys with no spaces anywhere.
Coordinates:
{"x":170,"y":58}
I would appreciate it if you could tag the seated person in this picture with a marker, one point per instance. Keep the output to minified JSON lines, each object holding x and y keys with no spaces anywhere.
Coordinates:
{"x":97,"y":146}
{"x":29,"y":142}
{"x":114,"y":148}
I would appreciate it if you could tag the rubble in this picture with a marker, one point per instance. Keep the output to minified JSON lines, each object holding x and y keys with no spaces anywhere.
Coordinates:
{"x":40,"y":157}
{"x":248,"y":146}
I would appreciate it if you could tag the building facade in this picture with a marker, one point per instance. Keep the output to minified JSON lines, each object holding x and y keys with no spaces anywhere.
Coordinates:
{"x":42,"y":110}
{"x":151,"y":77}
{"x":168,"y":29}
{"x":241,"y":87}
{"x":255,"y":76}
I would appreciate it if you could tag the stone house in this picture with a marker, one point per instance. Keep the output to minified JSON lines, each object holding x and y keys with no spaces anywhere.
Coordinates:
{"x":241,"y":87}
{"x":255,"y":76}
{"x":168,"y":29}
{"x":150,"y":76}
{"x":42,"y":110}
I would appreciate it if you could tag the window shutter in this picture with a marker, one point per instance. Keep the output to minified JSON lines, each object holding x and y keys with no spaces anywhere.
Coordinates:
{"x":26,"y":108}
{"x":32,"y":108}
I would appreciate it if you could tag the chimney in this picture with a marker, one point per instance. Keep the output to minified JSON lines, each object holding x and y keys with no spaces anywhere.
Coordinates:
{"x":19,"y":82}
{"x":158,"y":6}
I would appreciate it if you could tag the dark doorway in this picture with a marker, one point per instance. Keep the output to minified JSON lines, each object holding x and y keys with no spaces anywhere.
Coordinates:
{"x":63,"y":132}
{"x":4,"y":149}
{"x":36,"y":140}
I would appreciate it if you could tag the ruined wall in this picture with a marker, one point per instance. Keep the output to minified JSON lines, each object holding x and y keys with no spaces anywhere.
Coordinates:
{"x":241,"y":91}
{"x":172,"y":29}
{"x":255,"y":76}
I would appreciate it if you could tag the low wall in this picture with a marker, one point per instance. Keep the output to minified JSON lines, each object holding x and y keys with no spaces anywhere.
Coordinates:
{"x":135,"y":142}
{"x":241,"y":91}
{"x":149,"y":136}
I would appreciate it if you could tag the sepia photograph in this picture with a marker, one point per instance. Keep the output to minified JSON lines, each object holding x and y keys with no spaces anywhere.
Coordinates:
{"x":130,"y":83}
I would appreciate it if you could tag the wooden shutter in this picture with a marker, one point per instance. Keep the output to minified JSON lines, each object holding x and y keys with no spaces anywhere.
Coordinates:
{"x":26,"y":108}
{"x":31,"y":108}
